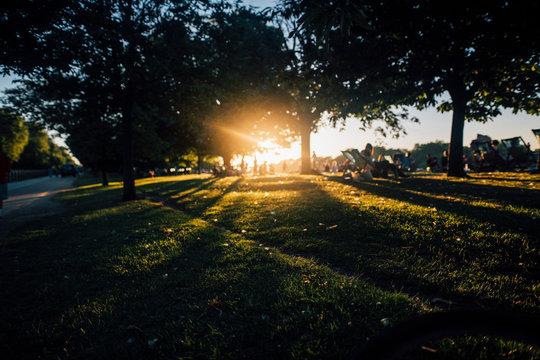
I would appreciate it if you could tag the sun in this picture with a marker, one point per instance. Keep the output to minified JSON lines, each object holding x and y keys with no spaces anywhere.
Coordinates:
{"x":271,"y":153}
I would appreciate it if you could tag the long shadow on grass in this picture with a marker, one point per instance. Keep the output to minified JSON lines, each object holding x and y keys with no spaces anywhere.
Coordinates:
{"x":504,"y":219}
{"x":119,"y":287}
{"x":511,"y":195}
{"x":367,"y":240}
{"x":197,"y":201}
{"x":509,"y":179}
{"x":174,"y":187}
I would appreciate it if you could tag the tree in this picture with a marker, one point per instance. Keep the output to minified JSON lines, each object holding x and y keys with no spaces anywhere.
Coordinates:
{"x":303,"y":99}
{"x":471,"y":58}
{"x":29,"y":40}
{"x":58,"y":155}
{"x":125,"y":60}
{"x":13,"y":134}
{"x":246,"y":57}
{"x":36,"y":153}
{"x":314,"y":87}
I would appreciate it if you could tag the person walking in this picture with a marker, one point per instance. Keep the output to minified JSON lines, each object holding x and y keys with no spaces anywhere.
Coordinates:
{"x":5,"y":168}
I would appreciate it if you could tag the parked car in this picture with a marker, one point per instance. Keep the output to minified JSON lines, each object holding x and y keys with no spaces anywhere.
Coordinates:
{"x":68,"y":169}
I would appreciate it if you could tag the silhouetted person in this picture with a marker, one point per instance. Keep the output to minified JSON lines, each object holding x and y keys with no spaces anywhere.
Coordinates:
{"x":410,"y":164}
{"x":378,"y":168}
{"x":5,"y":168}
{"x":444,"y":160}
{"x":432,"y":163}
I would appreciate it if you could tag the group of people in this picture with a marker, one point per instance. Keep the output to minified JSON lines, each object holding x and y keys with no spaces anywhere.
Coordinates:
{"x":433,"y":163}
{"x":331,"y":168}
{"x":371,"y":168}
{"x":490,"y":157}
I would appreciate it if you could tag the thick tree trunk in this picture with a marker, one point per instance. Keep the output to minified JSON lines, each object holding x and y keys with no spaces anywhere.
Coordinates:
{"x":305,"y":135}
{"x":129,"y":192}
{"x":455,"y":153}
{"x":227,"y":161}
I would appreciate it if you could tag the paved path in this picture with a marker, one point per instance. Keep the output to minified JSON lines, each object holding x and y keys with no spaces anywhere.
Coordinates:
{"x":31,"y":199}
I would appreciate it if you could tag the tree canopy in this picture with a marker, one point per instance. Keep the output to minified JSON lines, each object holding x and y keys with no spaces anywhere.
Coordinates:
{"x":471,"y":58}
{"x":128,"y":60}
{"x":13,"y":134}
{"x":245,"y":59}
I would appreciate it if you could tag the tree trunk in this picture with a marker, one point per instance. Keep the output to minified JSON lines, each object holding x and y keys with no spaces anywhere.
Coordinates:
{"x":455,"y":153}
{"x":199,"y":163}
{"x":305,"y":138}
{"x":127,"y":149}
{"x":227,"y":161}
{"x":104,"y":178}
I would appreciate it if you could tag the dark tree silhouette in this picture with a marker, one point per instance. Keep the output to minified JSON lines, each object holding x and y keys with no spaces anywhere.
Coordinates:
{"x":245,"y":59}
{"x":126,"y":60}
{"x":314,"y":82}
{"x":471,"y":58}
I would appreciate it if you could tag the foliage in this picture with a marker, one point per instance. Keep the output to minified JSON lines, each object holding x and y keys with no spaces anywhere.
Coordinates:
{"x":483,"y":55}
{"x":246,"y":57}
{"x":313,"y":84}
{"x":125,"y":59}
{"x":13,"y":134}
{"x":28,"y":39}
{"x":41,"y":152}
{"x":58,"y":155}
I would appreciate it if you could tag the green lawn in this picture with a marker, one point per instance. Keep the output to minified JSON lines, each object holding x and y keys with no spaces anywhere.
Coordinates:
{"x":268,"y":267}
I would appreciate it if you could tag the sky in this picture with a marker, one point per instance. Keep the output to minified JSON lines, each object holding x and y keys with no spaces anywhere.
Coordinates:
{"x":433,"y":126}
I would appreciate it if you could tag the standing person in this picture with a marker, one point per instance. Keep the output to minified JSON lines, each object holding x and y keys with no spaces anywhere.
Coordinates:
{"x":444,"y":160}
{"x":326,"y":167}
{"x":334,"y":167}
{"x":5,"y":168}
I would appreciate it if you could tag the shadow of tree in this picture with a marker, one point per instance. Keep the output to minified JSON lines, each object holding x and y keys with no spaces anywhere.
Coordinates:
{"x":432,"y":194}
{"x":417,"y":250}
{"x":107,"y":282}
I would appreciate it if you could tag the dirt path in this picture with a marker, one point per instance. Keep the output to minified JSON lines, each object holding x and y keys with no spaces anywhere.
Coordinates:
{"x":30,"y":200}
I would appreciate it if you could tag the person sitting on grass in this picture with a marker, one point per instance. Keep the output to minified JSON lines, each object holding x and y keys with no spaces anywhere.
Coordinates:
{"x":379,"y":168}
{"x":432,"y":163}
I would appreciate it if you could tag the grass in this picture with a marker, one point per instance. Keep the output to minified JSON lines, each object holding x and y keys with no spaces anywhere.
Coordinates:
{"x":268,"y":267}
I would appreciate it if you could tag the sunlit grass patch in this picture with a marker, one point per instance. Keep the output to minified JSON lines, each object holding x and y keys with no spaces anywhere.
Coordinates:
{"x":141,"y":280}
{"x":432,"y":233}
{"x":267,"y":267}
